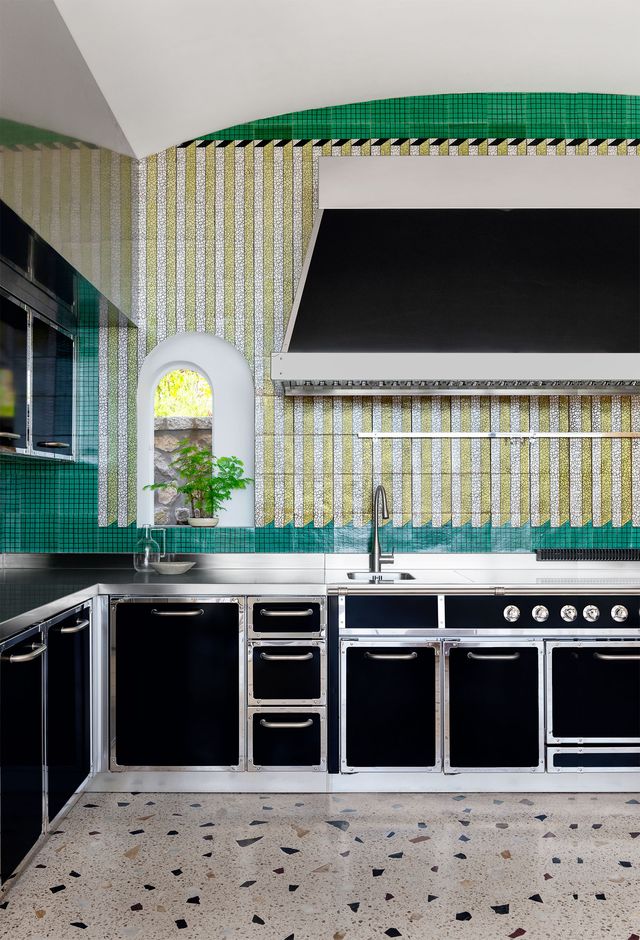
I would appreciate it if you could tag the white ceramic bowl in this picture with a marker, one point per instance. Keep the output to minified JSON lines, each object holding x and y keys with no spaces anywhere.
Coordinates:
{"x":204,"y":523}
{"x":172,"y":567}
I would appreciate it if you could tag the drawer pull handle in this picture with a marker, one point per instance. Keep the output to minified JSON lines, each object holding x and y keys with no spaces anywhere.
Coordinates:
{"x":37,"y":649}
{"x":286,"y":613}
{"x":288,"y":658}
{"x":504,"y":657}
{"x":617,"y":656}
{"x":273,"y":725}
{"x":10,"y":435}
{"x":77,"y":627}
{"x":413,"y":655}
{"x":52,"y":444}
{"x":177,"y":613}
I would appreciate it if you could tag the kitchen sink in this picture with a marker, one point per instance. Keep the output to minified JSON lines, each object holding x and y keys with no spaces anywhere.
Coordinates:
{"x":384,"y":577}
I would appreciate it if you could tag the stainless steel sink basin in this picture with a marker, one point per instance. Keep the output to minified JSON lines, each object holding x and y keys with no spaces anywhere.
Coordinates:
{"x":385,"y":577}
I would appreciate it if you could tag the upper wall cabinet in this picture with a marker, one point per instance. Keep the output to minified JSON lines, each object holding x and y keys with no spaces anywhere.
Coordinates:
{"x":37,"y":325}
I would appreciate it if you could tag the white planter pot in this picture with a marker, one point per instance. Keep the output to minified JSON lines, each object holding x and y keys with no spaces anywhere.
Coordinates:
{"x":205,"y":523}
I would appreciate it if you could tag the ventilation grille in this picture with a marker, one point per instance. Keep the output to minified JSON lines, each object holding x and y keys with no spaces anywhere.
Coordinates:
{"x":588,"y":554}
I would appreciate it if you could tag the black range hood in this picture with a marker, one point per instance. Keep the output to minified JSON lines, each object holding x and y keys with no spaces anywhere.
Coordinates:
{"x":400,"y":300}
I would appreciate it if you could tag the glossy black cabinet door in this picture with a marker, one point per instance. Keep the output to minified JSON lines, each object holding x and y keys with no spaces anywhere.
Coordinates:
{"x":68,"y":709}
{"x":596,"y":692}
{"x":13,"y":375}
{"x":52,"y":413}
{"x":494,"y":707}
{"x":286,"y":740}
{"x":21,"y":771}
{"x":286,"y":673}
{"x":391,"y":706}
{"x":177,"y":689}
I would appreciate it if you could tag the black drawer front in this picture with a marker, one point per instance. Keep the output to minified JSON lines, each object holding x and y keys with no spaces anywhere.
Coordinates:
{"x":301,"y":616}
{"x":482,"y":612}
{"x":391,"y":612}
{"x":286,"y":672}
{"x":282,"y":739}
{"x":597,"y":760}
{"x":596,"y":692}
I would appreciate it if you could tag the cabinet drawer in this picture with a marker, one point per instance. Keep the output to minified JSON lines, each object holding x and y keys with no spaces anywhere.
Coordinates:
{"x":278,"y":616}
{"x":287,"y":739}
{"x":592,"y":759}
{"x":289,"y":671}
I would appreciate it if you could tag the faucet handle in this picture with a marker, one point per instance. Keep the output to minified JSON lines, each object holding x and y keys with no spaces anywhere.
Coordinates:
{"x":386,"y":558}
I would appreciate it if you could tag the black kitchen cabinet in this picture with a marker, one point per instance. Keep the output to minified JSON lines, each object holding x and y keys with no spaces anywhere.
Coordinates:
{"x":391,"y":717}
{"x":176,"y":692}
{"x":21,"y":757}
{"x":494,"y":702}
{"x":286,"y":672}
{"x":52,"y":390}
{"x":13,"y":374}
{"x":287,"y":739}
{"x":595,"y":692}
{"x":68,"y":733}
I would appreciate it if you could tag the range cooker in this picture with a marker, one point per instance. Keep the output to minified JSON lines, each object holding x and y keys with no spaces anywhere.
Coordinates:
{"x":524,"y":682}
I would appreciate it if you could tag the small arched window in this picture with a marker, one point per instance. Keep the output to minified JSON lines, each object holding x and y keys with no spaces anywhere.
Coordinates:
{"x":182,"y":411}
{"x":193,"y":372}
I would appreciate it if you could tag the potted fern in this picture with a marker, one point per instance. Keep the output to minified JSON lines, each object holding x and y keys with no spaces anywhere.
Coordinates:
{"x":207,"y":481}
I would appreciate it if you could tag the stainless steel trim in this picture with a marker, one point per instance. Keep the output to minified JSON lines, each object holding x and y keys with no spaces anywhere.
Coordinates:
{"x":80,"y":625}
{"x":450,"y":768}
{"x":613,"y":656}
{"x":286,"y":645}
{"x":177,"y":613}
{"x":288,"y":710}
{"x":291,"y":632}
{"x":271,"y":658}
{"x":594,"y":644}
{"x":37,"y":650}
{"x":590,"y":769}
{"x":406,"y":656}
{"x":286,"y":724}
{"x":115,"y":600}
{"x":481,"y":656}
{"x":371,"y":643}
{"x":286,"y":613}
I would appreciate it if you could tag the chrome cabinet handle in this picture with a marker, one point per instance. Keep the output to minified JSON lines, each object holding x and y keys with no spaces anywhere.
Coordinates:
{"x":76,"y":628}
{"x":177,"y":613}
{"x":282,"y":658}
{"x":617,"y":656}
{"x":505,"y":657}
{"x":37,"y":649}
{"x":413,"y":655}
{"x":273,"y":725}
{"x":10,"y":435}
{"x":286,"y":613}
{"x":52,"y":444}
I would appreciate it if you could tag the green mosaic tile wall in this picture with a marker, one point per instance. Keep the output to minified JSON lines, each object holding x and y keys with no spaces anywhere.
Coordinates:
{"x":306,"y":505}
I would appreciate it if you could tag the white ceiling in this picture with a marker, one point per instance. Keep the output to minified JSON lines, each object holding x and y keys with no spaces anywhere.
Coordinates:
{"x":141,"y":75}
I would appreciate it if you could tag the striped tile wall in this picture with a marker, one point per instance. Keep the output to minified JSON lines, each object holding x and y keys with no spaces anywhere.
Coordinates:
{"x":211,"y":237}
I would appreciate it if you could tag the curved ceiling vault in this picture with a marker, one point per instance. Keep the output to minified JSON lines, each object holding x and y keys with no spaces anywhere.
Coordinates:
{"x":140,"y":76}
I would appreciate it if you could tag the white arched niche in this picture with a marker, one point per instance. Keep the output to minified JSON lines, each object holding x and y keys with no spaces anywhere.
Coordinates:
{"x":228,"y":374}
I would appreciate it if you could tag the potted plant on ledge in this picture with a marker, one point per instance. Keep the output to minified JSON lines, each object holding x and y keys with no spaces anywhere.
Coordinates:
{"x":207,"y":481}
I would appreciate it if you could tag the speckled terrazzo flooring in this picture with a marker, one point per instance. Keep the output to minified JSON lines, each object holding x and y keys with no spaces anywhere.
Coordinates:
{"x":347,"y":867}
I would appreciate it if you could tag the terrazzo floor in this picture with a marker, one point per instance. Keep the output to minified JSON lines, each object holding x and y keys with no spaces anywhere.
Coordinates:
{"x":344,"y":867}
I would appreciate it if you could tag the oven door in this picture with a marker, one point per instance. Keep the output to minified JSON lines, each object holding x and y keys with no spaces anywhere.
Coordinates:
{"x":593,"y":692}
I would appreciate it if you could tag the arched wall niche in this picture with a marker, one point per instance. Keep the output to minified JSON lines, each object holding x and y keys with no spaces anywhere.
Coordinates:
{"x":229,"y":376}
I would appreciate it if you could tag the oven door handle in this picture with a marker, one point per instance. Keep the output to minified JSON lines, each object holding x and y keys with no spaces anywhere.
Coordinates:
{"x":617,"y":656}
{"x":274,"y":725}
{"x":412,"y":655}
{"x":503,"y":657}
{"x":282,"y":658}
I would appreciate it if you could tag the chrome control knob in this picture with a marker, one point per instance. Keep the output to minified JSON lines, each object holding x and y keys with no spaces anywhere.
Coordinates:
{"x":540,"y":613}
{"x":591,"y":613}
{"x":619,"y":613}
{"x":511,"y":613}
{"x":569,"y":613}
